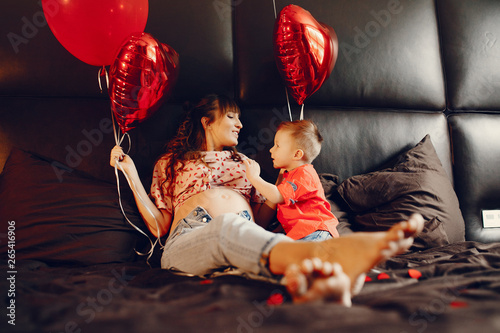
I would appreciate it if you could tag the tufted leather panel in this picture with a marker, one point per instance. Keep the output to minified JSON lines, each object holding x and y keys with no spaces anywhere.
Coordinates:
{"x":476,"y":151}
{"x":355,"y":141}
{"x":34,"y":63}
{"x":78,"y":133}
{"x":471,"y":53}
{"x":385,"y":93}
{"x":389,"y":54}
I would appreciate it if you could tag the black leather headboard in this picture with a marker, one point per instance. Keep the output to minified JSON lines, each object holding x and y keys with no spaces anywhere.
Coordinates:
{"x":355,"y":141}
{"x":476,"y":150}
{"x":470,"y":37}
{"x":388,"y":54}
{"x":405,"y":68}
{"x":34,"y":63}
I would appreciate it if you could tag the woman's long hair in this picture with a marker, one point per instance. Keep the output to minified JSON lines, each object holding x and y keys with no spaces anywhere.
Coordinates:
{"x":190,"y":139}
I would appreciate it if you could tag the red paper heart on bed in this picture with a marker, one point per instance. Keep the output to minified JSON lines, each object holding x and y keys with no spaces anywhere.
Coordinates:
{"x":305,"y":51}
{"x":141,"y":77}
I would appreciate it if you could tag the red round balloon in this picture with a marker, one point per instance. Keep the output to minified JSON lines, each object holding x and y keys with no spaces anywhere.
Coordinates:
{"x":141,"y":77}
{"x":305,"y":51}
{"x":93,"y":30}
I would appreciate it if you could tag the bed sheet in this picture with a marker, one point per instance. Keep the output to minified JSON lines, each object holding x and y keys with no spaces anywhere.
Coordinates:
{"x":454,"y":288}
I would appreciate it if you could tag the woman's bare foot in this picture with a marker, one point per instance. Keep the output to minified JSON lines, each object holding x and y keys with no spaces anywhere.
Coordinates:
{"x":317,"y":280}
{"x":356,"y":253}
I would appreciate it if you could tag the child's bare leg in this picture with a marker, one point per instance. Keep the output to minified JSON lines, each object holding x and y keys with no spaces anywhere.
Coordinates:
{"x":356,"y":253}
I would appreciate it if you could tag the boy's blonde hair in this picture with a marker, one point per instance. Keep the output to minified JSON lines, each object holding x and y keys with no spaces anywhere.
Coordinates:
{"x":306,"y":136}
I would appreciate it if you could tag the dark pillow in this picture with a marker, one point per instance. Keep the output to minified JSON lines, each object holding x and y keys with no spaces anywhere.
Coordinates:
{"x":416,"y":182}
{"x":62,"y":217}
{"x":338,"y":207}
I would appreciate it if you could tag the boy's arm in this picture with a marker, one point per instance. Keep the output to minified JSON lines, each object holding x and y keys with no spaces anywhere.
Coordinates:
{"x":268,"y":190}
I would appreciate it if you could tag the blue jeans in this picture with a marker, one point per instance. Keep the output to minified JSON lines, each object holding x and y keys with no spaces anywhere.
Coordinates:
{"x":317,"y":236}
{"x":201,"y":244}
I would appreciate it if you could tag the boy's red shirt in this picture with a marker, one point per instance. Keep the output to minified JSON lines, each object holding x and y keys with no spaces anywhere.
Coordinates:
{"x":305,"y":208}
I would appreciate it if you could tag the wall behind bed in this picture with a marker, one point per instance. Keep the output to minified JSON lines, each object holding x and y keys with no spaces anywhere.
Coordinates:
{"x":51,"y":99}
{"x":405,"y":68}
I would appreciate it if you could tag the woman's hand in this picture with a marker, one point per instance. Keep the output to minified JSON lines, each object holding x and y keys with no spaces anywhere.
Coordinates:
{"x":125,"y":161}
{"x":157,"y":220}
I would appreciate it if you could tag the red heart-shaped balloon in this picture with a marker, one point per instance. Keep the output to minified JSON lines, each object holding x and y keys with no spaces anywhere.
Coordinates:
{"x":305,"y":51}
{"x":142,"y":75}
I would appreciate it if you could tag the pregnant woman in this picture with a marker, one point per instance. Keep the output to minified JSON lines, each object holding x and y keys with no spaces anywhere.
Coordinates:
{"x":205,"y":203}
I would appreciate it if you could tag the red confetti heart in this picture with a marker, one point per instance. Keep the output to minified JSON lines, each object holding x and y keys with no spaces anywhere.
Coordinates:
{"x":275,"y":299}
{"x":368,"y":279}
{"x":206,"y":281}
{"x":459,"y":304}
{"x":414,"y":274}
{"x":383,"y":276}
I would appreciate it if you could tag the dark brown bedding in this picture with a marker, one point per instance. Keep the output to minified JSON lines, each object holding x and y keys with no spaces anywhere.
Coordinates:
{"x":76,"y":270}
{"x":458,"y":291}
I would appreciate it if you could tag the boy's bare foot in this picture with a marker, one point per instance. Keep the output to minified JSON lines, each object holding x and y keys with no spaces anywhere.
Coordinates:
{"x":316,"y":280}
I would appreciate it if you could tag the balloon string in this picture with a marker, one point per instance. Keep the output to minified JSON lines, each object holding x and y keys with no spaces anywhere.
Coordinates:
{"x":286,"y":90}
{"x":116,"y":133}
{"x":134,"y":189}
{"x":133,"y":186}
{"x":288,"y":102}
{"x":118,"y":141}
{"x":115,"y":128}
{"x":100,"y":73}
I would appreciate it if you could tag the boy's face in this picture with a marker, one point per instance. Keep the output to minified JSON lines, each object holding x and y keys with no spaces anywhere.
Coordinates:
{"x":283,"y":151}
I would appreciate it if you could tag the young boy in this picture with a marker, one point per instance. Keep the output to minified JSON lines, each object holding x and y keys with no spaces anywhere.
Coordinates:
{"x":303,"y":210}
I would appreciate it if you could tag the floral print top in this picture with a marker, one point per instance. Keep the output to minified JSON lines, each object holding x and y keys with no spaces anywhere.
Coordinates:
{"x":218,"y":170}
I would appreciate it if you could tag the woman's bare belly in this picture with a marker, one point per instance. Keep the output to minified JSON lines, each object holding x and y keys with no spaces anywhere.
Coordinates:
{"x":215,"y":201}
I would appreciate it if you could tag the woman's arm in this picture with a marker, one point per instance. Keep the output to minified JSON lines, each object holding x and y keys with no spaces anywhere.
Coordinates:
{"x":157,"y":220}
{"x":264,"y":213}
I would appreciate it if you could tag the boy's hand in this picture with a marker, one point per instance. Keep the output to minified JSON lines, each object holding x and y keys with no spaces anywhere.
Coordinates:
{"x":268,"y":190}
{"x":253,"y":169}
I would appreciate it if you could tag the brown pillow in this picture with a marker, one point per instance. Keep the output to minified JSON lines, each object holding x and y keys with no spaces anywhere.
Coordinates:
{"x":71,"y":221}
{"x":338,"y":207}
{"x":416,"y":183}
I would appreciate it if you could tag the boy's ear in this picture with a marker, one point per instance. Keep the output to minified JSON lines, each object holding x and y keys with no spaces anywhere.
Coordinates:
{"x":299,"y":154}
{"x":204,"y":122}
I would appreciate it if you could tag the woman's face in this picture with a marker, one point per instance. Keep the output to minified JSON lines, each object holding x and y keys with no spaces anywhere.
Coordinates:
{"x":224,"y":131}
